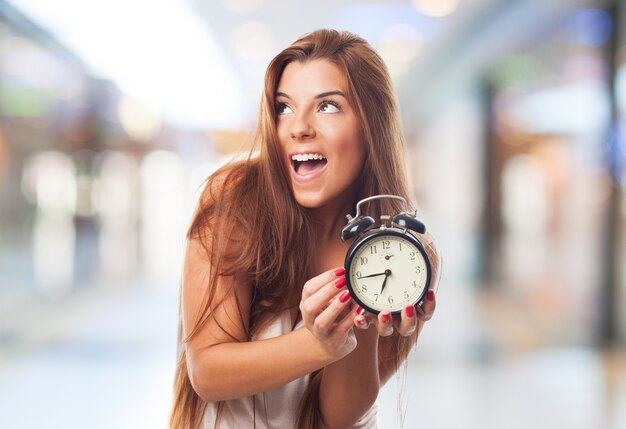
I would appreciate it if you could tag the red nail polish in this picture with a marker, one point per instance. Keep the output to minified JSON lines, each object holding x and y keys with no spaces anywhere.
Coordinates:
{"x":359,"y":310}
{"x":340,"y":282}
{"x":430,"y":295}
{"x":340,"y":271}
{"x":386,"y":317}
{"x":410,"y":311}
{"x":344,"y":296}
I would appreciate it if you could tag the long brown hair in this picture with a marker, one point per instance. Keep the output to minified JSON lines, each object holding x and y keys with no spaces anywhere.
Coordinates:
{"x":249,"y":206}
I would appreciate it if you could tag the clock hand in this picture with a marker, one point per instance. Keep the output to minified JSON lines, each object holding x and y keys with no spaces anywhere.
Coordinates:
{"x":387,"y":274}
{"x":387,"y":257}
{"x":373,"y":275}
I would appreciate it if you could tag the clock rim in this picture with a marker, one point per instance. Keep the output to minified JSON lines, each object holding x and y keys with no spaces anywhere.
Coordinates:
{"x":367,"y":236}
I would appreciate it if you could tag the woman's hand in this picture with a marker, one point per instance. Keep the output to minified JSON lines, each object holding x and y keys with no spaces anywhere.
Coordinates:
{"x":406,"y":324}
{"x":325,"y":308}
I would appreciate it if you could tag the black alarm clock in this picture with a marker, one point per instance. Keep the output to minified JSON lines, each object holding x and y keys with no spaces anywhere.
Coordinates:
{"x":387,"y":268}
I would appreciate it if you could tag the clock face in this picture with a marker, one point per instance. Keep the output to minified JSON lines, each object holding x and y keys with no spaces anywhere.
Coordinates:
{"x":387,"y":271}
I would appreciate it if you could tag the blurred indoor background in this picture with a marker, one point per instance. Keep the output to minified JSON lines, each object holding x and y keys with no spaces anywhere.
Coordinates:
{"x":113,"y":112}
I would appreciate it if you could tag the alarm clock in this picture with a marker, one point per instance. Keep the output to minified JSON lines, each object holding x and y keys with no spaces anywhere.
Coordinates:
{"x":387,"y":268}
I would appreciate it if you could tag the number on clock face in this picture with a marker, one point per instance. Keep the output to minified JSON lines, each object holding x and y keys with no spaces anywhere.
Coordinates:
{"x":388,"y":272}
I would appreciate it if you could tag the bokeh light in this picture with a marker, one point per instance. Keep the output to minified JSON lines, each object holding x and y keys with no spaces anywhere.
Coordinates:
{"x":588,"y":26}
{"x":138,"y":121}
{"x":436,"y":8}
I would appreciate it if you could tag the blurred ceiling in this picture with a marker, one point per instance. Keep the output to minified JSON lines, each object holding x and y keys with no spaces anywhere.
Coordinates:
{"x":406,"y":33}
{"x":200,"y":63}
{"x":427,"y":44}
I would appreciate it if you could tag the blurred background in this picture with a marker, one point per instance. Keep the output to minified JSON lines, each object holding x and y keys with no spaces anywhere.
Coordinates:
{"x":113,"y":113}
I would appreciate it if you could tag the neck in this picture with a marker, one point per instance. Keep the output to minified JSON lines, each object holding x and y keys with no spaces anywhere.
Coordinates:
{"x":331,"y":218}
{"x":330,"y":251}
{"x":328,"y":222}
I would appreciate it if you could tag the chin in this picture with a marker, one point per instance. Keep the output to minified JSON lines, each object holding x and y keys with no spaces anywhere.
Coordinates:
{"x":308,"y":202}
{"x":310,"y":199}
{"x":317,"y":201}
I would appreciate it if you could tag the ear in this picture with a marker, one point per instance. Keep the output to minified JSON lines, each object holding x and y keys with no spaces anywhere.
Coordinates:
{"x":356,"y":227}
{"x":409,"y":221}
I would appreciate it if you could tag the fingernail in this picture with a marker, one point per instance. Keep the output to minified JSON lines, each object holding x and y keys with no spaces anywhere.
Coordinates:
{"x":344,"y":296}
{"x":386,"y":317}
{"x":359,"y":310}
{"x":340,"y":282}
{"x":410,"y":311}
{"x":340,"y":271}
{"x":430,"y":295}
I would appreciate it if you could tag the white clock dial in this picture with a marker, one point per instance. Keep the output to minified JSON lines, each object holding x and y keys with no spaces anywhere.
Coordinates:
{"x":387,"y":273}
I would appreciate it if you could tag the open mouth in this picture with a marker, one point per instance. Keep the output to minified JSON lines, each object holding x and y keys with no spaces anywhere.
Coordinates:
{"x":306,"y":164}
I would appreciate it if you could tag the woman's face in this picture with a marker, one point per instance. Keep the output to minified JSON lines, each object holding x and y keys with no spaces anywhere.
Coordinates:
{"x":319,"y":133}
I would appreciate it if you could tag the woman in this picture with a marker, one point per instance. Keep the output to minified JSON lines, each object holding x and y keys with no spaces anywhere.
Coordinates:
{"x":268,"y":325}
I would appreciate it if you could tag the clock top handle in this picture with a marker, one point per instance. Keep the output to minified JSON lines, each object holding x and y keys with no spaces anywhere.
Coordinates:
{"x":360,"y":223}
{"x":376,"y":197}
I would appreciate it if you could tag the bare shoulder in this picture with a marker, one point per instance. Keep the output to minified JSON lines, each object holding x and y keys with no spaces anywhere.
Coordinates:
{"x":216,"y":294}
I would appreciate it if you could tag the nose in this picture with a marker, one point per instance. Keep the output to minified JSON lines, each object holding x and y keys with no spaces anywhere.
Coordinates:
{"x":302,"y":128}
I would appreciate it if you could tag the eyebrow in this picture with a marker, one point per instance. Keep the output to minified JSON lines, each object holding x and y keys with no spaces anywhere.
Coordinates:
{"x":321,"y":95}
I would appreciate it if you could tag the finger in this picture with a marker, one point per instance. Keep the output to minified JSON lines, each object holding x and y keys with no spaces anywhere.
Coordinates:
{"x":316,"y":283}
{"x":361,"y":320}
{"x":312,"y":306}
{"x":385,"y":327}
{"x":428,"y":306}
{"x":408,"y":321}
{"x":326,"y":320}
{"x":346,"y":323}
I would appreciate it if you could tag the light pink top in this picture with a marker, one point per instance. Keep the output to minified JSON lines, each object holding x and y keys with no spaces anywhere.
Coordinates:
{"x":274,"y":409}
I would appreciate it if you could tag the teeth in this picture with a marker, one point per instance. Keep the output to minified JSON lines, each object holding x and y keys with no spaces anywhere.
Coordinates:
{"x":307,"y":156}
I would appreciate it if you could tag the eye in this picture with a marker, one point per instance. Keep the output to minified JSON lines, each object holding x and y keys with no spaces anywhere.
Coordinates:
{"x":328,"y":106}
{"x":282,"y":109}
